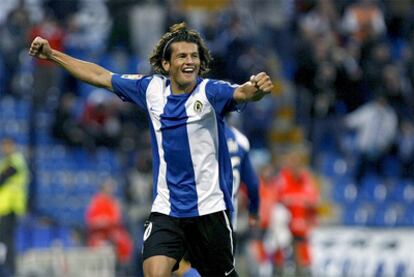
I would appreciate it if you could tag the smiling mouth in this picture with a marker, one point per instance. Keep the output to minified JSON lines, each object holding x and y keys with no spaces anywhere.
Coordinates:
{"x":188,"y":71}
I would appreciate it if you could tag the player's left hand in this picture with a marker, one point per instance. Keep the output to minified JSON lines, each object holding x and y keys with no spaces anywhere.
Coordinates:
{"x":262,"y":82}
{"x":253,"y":90}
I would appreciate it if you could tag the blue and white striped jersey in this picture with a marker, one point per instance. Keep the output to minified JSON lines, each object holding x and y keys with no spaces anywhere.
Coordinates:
{"x":243,"y":171}
{"x":191,"y":163}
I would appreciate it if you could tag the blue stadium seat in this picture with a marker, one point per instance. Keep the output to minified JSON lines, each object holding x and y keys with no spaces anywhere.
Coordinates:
{"x":359,"y":214}
{"x":345,"y":191}
{"x":331,"y":164}
{"x":407,"y":218}
{"x":373,"y":189}
{"x":403,"y":192}
{"x":388,"y":215}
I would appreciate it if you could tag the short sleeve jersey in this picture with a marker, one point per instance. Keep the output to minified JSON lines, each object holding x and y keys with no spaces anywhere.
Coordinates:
{"x":243,"y":171}
{"x":191,"y":163}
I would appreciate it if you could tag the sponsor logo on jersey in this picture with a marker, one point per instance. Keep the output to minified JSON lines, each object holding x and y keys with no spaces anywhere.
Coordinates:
{"x":132,"y":76}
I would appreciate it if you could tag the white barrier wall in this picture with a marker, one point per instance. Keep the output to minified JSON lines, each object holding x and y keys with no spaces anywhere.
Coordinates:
{"x":71,"y":262}
{"x":341,"y":251}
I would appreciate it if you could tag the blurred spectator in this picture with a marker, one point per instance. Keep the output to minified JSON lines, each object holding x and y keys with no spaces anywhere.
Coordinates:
{"x":239,"y":41}
{"x":375,"y":124}
{"x":277,"y":239}
{"x":14,"y":39}
{"x":399,"y":92}
{"x":348,"y":77}
{"x":138,"y":200}
{"x":139,"y":190}
{"x":104,"y":223}
{"x":257,"y":122}
{"x":46,"y":74}
{"x":268,"y":192}
{"x":405,"y":148}
{"x":100,"y":119}
{"x":66,"y":124}
{"x":175,"y":13}
{"x":364,"y":20}
{"x":62,"y":9}
{"x":117,"y":59}
{"x":373,"y":61}
{"x":77,"y":44}
{"x":299,"y":194}
{"x":217,"y":38}
{"x":14,"y":178}
{"x":120,"y":34}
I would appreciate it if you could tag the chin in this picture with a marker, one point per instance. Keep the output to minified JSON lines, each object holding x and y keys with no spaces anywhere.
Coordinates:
{"x":188,"y":81}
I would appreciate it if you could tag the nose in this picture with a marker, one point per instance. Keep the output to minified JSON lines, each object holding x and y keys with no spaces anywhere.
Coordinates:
{"x":189,"y":59}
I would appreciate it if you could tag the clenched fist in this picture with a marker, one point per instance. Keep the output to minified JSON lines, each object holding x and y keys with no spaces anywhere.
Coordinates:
{"x":262,"y":82}
{"x":260,"y":85}
{"x":40,"y":48}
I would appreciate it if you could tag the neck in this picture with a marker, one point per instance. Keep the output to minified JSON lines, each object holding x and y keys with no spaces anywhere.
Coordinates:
{"x":182,"y":89}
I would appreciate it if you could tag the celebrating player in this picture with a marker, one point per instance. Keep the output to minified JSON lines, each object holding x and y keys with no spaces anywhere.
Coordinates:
{"x":191,"y":168}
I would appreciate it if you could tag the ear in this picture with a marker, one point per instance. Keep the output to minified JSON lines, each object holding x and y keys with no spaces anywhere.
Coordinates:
{"x":165,"y":65}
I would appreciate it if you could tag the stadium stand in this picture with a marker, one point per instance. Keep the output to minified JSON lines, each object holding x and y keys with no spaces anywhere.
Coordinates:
{"x":324,"y":67}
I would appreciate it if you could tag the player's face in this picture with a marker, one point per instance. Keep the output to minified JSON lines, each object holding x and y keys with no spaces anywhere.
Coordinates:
{"x":184,"y":65}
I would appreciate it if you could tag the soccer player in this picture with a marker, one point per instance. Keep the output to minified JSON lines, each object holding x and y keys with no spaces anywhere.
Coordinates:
{"x":191,"y":168}
{"x":243,"y":172}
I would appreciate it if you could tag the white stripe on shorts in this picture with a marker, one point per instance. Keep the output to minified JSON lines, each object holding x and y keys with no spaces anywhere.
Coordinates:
{"x":231,"y":235}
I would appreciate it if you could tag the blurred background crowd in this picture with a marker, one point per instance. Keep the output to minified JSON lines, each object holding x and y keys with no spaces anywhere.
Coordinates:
{"x":333,"y":144}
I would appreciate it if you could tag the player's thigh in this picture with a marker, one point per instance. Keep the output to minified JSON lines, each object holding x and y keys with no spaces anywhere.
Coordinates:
{"x":159,"y":266}
{"x":163,"y":237}
{"x":211,"y":245}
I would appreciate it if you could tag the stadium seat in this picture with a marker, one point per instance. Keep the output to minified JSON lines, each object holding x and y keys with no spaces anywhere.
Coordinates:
{"x":403,"y":191}
{"x":373,"y":189}
{"x":360,"y":214}
{"x":388,"y":215}
{"x":345,"y":191}
{"x":407,"y":218}
{"x":331,"y":164}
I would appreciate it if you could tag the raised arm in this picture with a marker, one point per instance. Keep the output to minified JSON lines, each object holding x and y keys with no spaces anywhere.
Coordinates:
{"x":85,"y":71}
{"x":253,"y":90}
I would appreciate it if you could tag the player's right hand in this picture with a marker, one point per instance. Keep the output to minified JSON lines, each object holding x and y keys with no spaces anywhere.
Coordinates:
{"x":40,"y":48}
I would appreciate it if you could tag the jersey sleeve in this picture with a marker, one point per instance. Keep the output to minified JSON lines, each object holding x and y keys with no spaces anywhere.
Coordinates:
{"x":249,"y":178}
{"x":131,"y":88}
{"x":220,"y":95}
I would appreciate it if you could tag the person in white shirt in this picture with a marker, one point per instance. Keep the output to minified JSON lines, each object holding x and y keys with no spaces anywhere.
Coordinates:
{"x":376,"y":126}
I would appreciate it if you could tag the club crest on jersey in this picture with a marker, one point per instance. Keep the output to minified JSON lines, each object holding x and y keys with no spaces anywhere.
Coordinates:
{"x":131,"y":76}
{"x":198,"y":106}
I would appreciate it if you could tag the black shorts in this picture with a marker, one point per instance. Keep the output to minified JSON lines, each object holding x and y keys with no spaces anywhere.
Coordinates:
{"x":208,"y":240}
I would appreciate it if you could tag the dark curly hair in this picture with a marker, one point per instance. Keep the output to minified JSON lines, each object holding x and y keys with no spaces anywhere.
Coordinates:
{"x":179,"y":32}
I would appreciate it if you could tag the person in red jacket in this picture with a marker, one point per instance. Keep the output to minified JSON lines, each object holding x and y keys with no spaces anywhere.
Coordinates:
{"x":261,"y":255}
{"x":299,"y":194}
{"x":104,"y":223}
{"x":46,"y":76}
